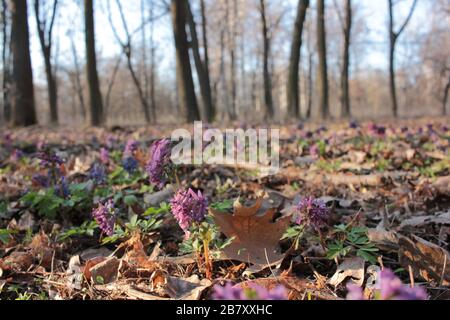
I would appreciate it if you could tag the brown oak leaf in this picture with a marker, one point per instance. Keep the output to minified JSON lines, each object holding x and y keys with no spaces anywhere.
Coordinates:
{"x":255,"y":233}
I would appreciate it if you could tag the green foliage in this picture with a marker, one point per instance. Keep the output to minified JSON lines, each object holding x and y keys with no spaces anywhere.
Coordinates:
{"x":86,"y":229}
{"x":163,"y":208}
{"x":207,"y":231}
{"x":351,"y":240}
{"x":46,"y":202}
{"x":5,"y":235}
{"x":225,"y":205}
{"x":329,"y":166}
{"x":135,"y":224}
{"x":294,"y":232}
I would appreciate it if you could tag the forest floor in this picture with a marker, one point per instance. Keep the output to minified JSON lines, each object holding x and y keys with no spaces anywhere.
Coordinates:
{"x":386,"y":187}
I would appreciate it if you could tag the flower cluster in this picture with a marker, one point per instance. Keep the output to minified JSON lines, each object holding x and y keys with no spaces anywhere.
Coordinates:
{"x":105,"y":215}
{"x":255,"y":292}
{"x":312,"y":212}
{"x":62,"y":187}
{"x":389,"y":287}
{"x":159,"y":158}
{"x":130,"y":147}
{"x":49,"y":159}
{"x":130,"y":164}
{"x":98,"y":173}
{"x":104,"y":156}
{"x":188,"y":207}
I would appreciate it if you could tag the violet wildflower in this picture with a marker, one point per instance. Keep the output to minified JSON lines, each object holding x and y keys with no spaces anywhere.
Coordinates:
{"x":188,"y":207}
{"x":314,"y":150}
{"x":105,"y":215}
{"x":98,"y":173}
{"x":62,"y":187}
{"x":392,"y":288}
{"x":49,"y":159}
{"x":104,"y":156}
{"x":312,"y":212}
{"x":130,"y":147}
{"x":353,"y":124}
{"x":254,"y":292}
{"x":17,"y":155}
{"x":388,"y":287}
{"x":159,"y":158}
{"x":130,"y":164}
{"x":40,"y":180}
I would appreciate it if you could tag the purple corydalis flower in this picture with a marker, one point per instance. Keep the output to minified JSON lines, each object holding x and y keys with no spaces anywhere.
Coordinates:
{"x":16,"y":155}
{"x":254,"y":292}
{"x":49,"y":159}
{"x":159,"y":158}
{"x":130,"y":164}
{"x":392,"y":288}
{"x":98,"y":173}
{"x":62,"y":187}
{"x":314,"y":150}
{"x":105,"y":215}
{"x":104,"y":156}
{"x":187,"y":207}
{"x":312,"y":212}
{"x":388,"y":287}
{"x":40,"y":180}
{"x":131,"y":147}
{"x":353,"y":124}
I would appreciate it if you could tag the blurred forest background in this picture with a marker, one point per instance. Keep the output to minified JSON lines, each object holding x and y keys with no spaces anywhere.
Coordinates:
{"x":117,"y":62}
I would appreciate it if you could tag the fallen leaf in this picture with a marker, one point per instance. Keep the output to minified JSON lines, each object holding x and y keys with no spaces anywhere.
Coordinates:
{"x":443,"y":218}
{"x":352,"y":268}
{"x":427,"y":260}
{"x":255,"y":233}
{"x":105,"y":271}
{"x":186,"y":288}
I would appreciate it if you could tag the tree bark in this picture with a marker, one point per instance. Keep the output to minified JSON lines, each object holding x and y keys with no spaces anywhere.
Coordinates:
{"x":186,"y":83}
{"x":6,"y":64}
{"x":202,"y":72}
{"x":45,"y":40}
{"x":393,"y":37}
{"x":22,"y":102}
{"x":345,"y":91}
{"x":96,"y":104}
{"x":293,"y":94}
{"x":322,"y":75}
{"x":445,"y":99}
{"x":268,"y":101}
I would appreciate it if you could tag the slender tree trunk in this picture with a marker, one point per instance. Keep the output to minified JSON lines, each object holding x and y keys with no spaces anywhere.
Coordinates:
{"x":5,"y":64}
{"x":203,"y":78}
{"x":22,"y":102}
{"x":268,"y":101}
{"x":322,"y":76}
{"x":152,"y":65}
{"x":79,"y":87}
{"x":45,"y":39}
{"x":345,"y":91}
{"x":186,"y":83}
{"x":212,"y":111}
{"x":232,"y":52}
{"x":96,"y":104}
{"x":445,"y":99}
{"x":293,"y":95}
{"x":393,"y":37}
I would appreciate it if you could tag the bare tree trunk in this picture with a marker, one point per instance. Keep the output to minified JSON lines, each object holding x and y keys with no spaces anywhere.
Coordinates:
{"x":212,"y":111}
{"x":45,"y":31}
{"x":22,"y":102}
{"x":96,"y":105}
{"x":231,"y":19}
{"x":127,"y":51}
{"x":293,"y":95}
{"x":345,"y":91}
{"x":152,"y":65}
{"x":393,"y":37}
{"x":322,"y":76}
{"x":268,"y":101}
{"x":78,"y":86}
{"x":6,"y":64}
{"x":186,"y":83}
{"x":203,"y":78}
{"x":445,"y":99}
